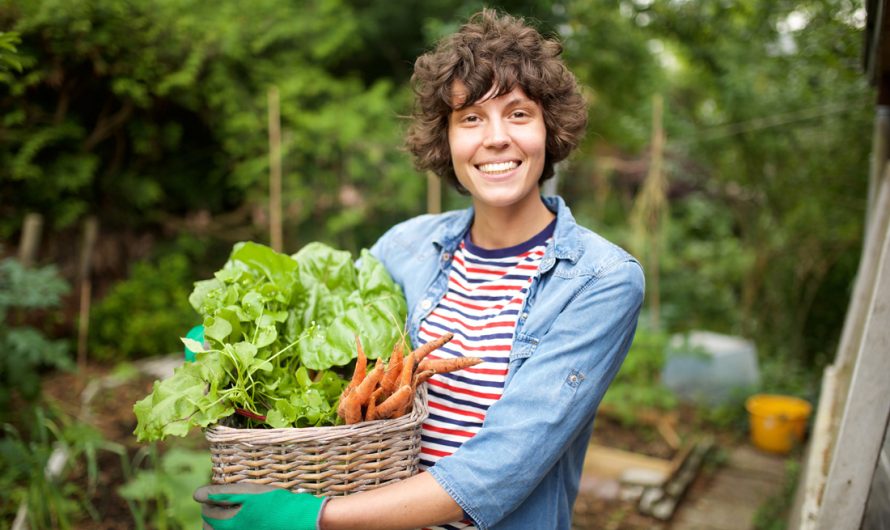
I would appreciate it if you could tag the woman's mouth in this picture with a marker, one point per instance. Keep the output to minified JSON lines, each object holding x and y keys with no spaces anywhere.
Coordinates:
{"x":496,"y":168}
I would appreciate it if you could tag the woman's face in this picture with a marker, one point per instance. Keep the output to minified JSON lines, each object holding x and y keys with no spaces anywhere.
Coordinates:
{"x":498,"y":147}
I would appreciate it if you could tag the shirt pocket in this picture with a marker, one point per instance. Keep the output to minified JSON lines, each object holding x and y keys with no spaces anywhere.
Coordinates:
{"x":524,"y":345}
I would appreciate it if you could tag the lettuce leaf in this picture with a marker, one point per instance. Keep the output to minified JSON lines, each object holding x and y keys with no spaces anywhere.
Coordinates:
{"x":280,"y":329}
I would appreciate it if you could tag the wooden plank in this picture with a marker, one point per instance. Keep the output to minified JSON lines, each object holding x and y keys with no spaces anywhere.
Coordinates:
{"x":805,"y":509}
{"x":833,"y":399}
{"x":863,"y":288}
{"x":865,"y":415}
{"x":608,"y":462}
{"x":661,"y":501}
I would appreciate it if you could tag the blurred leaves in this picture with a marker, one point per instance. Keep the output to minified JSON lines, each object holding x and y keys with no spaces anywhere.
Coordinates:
{"x":26,"y":348}
{"x":154,"y":115}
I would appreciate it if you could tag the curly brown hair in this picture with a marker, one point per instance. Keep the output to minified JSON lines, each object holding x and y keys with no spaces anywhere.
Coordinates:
{"x":498,"y":50}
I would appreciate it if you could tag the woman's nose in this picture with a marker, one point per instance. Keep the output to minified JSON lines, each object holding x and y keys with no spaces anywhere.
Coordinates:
{"x":496,"y":136}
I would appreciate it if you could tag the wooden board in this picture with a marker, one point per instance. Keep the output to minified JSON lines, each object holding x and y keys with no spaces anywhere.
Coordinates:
{"x":608,"y":462}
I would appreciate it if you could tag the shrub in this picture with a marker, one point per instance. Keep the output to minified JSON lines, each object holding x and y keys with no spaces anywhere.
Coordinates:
{"x":145,"y":314}
{"x":26,"y":350}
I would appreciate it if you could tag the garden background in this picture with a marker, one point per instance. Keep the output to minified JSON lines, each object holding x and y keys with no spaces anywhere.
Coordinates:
{"x":728,"y":149}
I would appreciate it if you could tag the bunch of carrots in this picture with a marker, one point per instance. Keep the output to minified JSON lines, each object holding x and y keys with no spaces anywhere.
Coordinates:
{"x":388,"y":391}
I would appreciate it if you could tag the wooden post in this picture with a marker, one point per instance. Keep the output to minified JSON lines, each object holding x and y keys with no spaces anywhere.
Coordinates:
{"x":30,"y":239}
{"x":657,"y":171}
{"x":433,"y":193}
{"x":880,"y":152}
{"x":865,"y":417}
{"x":866,"y":275}
{"x":805,"y":508}
{"x":647,"y":215}
{"x":275,"y":230}
{"x":90,"y":232}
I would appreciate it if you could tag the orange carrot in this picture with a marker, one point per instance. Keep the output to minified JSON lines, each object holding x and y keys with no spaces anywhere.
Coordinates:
{"x":422,"y":376}
{"x":441,"y":366}
{"x":350,"y":409}
{"x":371,"y":412}
{"x":361,"y":363}
{"x":363,"y":391}
{"x":432,"y":345}
{"x":345,"y":408}
{"x":393,"y":370}
{"x":394,"y":403}
{"x":407,"y":370}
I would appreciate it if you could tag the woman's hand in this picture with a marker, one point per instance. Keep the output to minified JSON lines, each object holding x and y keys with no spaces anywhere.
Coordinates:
{"x":231,"y":507}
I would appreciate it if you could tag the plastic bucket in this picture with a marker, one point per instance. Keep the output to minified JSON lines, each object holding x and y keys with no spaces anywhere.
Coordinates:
{"x":778,"y":422}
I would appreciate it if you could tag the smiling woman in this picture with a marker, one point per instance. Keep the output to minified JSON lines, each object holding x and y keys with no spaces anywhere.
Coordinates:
{"x":549,"y":307}
{"x":498,"y":149}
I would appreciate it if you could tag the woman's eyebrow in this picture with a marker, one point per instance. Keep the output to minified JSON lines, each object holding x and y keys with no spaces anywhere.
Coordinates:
{"x":519,"y":101}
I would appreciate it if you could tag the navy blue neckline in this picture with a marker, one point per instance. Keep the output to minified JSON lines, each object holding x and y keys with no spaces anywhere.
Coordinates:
{"x":497,"y":253}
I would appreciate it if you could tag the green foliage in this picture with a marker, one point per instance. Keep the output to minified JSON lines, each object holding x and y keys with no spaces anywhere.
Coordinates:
{"x":53,"y":441}
{"x":26,"y":349}
{"x":767,"y":193}
{"x":139,"y":113}
{"x":766,"y":104}
{"x":700,"y":238}
{"x":269,"y":319}
{"x":165,"y":489}
{"x":154,"y":115}
{"x":8,"y":59}
{"x":637,"y":384}
{"x":145,"y":314}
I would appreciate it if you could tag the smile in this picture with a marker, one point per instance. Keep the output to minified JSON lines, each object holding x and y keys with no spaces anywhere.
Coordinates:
{"x":498,"y":167}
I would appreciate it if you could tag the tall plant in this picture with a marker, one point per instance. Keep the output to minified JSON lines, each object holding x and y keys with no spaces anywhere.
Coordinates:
{"x":25,"y":293}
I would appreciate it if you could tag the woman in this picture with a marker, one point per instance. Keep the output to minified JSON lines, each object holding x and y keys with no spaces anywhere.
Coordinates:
{"x":550,"y":306}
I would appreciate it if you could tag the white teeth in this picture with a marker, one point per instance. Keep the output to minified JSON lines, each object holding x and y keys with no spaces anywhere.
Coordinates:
{"x":498,"y":167}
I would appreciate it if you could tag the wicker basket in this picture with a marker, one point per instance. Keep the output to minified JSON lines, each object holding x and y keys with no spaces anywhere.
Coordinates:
{"x":321,"y":460}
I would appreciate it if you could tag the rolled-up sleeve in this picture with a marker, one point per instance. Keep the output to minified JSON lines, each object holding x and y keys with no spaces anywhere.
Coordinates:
{"x":552,"y":396}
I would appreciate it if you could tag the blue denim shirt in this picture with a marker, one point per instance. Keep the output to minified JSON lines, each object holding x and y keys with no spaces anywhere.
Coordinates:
{"x":521,"y":471}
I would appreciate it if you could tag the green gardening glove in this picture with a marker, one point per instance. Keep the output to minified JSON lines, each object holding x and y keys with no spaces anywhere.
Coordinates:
{"x":278,"y":509}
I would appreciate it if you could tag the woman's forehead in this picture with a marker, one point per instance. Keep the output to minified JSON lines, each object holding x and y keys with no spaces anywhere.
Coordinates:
{"x":460,"y":94}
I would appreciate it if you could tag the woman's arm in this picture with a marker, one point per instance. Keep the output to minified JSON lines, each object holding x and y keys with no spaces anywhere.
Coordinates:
{"x":559,"y":376}
{"x":411,"y":503}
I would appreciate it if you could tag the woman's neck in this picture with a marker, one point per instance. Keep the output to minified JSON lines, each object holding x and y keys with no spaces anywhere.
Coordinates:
{"x":495,"y":228}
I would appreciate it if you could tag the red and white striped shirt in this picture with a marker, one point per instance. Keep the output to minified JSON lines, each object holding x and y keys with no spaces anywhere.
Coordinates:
{"x":486,"y":292}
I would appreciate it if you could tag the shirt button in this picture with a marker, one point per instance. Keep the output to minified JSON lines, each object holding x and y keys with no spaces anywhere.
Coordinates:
{"x":446,"y":256}
{"x":573,"y":378}
{"x":426,"y":304}
{"x":524,"y":316}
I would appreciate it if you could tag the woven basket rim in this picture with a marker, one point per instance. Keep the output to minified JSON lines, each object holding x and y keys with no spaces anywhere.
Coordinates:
{"x":223,"y":434}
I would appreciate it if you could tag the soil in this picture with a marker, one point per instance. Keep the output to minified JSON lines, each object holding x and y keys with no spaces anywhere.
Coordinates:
{"x":111,"y":412}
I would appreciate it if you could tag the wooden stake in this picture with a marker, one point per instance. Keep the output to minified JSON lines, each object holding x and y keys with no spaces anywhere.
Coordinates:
{"x":275,"y":230}
{"x":30,"y":238}
{"x":90,"y":232}
{"x":433,"y":193}
{"x":648,"y":213}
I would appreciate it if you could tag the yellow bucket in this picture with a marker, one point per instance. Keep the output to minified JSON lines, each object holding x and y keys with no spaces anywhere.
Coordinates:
{"x":778,"y":422}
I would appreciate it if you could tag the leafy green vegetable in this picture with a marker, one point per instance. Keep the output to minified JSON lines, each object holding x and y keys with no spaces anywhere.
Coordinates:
{"x":279,"y":329}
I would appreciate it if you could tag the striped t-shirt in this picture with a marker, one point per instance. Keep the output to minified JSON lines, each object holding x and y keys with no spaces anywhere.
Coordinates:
{"x":486,"y":292}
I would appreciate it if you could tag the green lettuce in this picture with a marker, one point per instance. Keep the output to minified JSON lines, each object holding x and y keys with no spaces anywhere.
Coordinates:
{"x":280,"y":332}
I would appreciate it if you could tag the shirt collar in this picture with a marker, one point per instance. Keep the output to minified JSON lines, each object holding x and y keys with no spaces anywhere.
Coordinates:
{"x":565,"y":245}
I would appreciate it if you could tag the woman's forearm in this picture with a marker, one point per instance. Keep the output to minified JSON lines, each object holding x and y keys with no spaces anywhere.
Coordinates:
{"x":411,"y":503}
